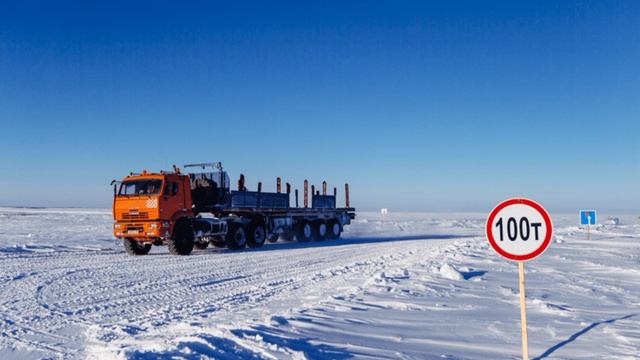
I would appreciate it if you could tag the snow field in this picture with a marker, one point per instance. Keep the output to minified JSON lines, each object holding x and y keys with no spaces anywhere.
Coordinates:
{"x":412,"y":286}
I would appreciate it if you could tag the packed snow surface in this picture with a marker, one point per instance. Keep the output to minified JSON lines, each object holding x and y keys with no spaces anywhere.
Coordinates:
{"x":409,"y":286}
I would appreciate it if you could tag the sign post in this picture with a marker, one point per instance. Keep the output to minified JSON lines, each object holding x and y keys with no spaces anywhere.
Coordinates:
{"x":523,"y":312}
{"x":588,"y":218}
{"x":520,"y":230}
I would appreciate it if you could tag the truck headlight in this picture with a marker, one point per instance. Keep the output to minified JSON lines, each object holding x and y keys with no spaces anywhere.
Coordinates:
{"x":153,"y":226}
{"x":166,"y":224}
{"x":117,"y":226}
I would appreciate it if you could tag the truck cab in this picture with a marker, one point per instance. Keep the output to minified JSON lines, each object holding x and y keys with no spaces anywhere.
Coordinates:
{"x":146,"y":205}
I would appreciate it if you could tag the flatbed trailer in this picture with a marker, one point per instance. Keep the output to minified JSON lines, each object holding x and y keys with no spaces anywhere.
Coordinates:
{"x":199,"y":209}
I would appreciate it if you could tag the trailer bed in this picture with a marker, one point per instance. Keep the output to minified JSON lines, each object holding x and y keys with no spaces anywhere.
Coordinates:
{"x":287,"y":211}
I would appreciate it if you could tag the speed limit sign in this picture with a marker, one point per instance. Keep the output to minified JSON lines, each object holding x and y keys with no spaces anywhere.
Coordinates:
{"x":519,"y":229}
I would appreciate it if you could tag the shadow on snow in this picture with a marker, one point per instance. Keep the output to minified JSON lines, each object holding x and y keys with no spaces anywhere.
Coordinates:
{"x":281,"y":245}
{"x":575,"y":336}
{"x":202,"y":345}
{"x":291,"y":245}
{"x":214,"y":347}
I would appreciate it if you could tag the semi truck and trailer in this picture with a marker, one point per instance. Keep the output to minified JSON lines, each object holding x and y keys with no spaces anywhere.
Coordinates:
{"x":199,"y":209}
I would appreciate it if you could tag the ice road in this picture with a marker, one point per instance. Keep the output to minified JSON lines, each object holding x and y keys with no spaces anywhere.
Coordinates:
{"x":411,"y":286}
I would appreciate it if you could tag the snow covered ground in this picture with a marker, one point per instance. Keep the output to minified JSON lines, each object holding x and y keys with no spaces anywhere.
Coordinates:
{"x":414,"y":286}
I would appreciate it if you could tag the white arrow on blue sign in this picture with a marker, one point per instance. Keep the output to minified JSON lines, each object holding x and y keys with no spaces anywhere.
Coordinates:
{"x":587,"y":217}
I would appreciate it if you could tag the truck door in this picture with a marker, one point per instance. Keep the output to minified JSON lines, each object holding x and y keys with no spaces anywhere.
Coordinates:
{"x":173,"y":199}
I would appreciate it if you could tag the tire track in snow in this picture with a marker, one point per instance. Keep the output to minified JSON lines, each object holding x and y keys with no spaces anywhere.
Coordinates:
{"x":109,"y":289}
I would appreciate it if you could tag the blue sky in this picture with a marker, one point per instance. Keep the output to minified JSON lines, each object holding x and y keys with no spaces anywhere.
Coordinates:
{"x":442,"y":106}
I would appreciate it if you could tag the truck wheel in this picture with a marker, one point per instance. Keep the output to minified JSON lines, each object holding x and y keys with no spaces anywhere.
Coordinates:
{"x":181,"y":243}
{"x":201,"y":245}
{"x":218,"y":241}
{"x":256,"y":235}
{"x":236,"y":236}
{"x":304,"y":231}
{"x":333,"y":230}
{"x":319,"y":230}
{"x":135,"y":247}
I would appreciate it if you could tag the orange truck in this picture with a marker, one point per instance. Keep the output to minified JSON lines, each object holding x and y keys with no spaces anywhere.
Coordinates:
{"x":187,"y":210}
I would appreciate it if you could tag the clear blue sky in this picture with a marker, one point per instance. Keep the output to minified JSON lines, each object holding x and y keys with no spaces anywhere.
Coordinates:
{"x":449,"y":105}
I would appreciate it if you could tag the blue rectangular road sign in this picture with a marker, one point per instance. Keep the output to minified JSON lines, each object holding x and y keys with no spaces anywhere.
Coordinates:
{"x":587,"y":217}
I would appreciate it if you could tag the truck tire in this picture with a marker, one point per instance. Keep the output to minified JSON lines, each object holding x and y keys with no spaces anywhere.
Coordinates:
{"x":135,"y":248}
{"x":181,"y":243}
{"x":201,"y":245}
{"x":319,"y":230}
{"x":236,"y":236}
{"x":304,"y":231}
{"x":256,"y":235}
{"x":273,"y":238}
{"x":333,"y":230}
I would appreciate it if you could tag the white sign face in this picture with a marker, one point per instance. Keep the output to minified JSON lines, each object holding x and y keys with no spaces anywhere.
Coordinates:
{"x":519,"y":229}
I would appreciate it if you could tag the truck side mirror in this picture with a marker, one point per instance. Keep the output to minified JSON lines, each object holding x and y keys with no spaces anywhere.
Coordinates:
{"x":115,"y":187}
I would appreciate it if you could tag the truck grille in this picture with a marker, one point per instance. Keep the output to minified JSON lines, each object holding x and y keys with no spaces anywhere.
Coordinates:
{"x":135,"y":215}
{"x":135,"y":228}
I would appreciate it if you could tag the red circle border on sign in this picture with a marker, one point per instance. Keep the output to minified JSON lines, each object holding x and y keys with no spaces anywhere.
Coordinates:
{"x":533,"y":204}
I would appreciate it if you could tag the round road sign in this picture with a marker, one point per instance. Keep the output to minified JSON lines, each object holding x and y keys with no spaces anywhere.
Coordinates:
{"x":519,"y":229}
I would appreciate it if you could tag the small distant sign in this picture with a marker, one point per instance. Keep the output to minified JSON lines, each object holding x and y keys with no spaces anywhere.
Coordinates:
{"x":588,"y":217}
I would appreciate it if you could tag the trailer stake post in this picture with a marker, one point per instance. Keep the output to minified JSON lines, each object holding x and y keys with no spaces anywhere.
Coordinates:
{"x":259,"y":186}
{"x":297,"y":198}
{"x":278,"y":185}
{"x":241,"y":183}
{"x":346,"y":195}
{"x":324,"y":188}
{"x":306,"y":193}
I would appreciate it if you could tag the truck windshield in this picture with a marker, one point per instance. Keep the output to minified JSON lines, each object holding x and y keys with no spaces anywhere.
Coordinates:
{"x":140,"y":187}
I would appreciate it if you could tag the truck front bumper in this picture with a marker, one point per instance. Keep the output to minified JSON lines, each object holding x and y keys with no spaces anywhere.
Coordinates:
{"x":141,"y":230}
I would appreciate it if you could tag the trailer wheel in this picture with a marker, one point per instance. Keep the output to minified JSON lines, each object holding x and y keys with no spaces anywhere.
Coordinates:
{"x":304,"y":231}
{"x":256,"y":235}
{"x":181,"y":243}
{"x":201,"y":245}
{"x":135,"y":247}
{"x":236,"y":236}
{"x":273,"y":238}
{"x":319,"y":230}
{"x":333,"y":230}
